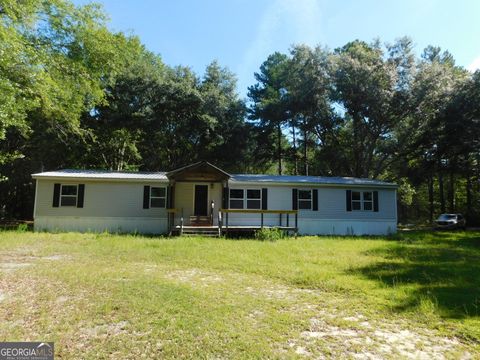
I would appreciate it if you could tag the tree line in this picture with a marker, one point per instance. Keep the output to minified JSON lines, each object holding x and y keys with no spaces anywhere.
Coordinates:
{"x":74,"y":94}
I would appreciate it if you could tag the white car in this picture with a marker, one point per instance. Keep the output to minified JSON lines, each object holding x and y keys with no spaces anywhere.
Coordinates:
{"x":450,"y":222}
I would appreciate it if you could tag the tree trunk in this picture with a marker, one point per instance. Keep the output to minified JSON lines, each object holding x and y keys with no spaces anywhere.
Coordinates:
{"x":441,"y":192}
{"x":451,"y":192}
{"x":279,"y":149}
{"x":295,"y":159}
{"x":356,"y":147}
{"x":469,"y":197}
{"x":305,"y":152}
{"x":430,"y":198}
{"x":468,"y":190}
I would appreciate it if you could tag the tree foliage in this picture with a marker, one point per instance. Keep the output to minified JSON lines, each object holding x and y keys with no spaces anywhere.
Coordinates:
{"x":373,"y":110}
{"x":74,"y":94}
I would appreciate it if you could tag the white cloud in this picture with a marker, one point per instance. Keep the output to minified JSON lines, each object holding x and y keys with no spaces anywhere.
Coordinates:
{"x":475,"y":65}
{"x":283,"y":23}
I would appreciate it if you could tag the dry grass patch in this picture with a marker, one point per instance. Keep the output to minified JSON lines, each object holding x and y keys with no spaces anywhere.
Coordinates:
{"x":108,"y":297}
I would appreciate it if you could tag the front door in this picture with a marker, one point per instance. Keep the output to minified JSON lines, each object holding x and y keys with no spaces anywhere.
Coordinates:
{"x":201,"y":200}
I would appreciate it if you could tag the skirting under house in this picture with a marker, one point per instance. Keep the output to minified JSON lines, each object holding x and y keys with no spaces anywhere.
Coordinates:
{"x":202,"y":197}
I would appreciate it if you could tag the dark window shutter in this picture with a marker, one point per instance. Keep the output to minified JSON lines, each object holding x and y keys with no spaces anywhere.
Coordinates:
{"x":81,"y":195}
{"x":169,"y":197}
{"x":349,"y":200}
{"x":225,"y":197}
{"x":56,"y":195}
{"x":375,"y":201}
{"x":264,"y":199}
{"x":146,"y":197}
{"x":315,"y":199}
{"x":294,"y":199}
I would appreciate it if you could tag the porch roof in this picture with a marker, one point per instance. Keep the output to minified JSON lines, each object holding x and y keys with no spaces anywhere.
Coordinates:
{"x":200,"y":171}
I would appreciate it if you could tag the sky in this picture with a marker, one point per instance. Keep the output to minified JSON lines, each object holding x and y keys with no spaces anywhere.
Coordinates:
{"x":240,"y":34}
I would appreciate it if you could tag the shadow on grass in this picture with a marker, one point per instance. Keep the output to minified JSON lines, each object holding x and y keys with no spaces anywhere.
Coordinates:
{"x":442,"y":267}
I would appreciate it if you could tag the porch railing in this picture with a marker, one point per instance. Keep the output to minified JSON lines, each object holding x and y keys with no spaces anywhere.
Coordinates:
{"x":171,"y":219}
{"x":223,"y":219}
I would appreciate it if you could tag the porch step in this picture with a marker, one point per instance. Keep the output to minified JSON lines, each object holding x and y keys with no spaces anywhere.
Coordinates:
{"x":212,"y":231}
{"x":200,"y":220}
{"x":201,"y":234}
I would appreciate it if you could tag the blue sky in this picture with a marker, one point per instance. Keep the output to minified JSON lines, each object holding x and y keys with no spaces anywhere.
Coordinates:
{"x":240,"y":34}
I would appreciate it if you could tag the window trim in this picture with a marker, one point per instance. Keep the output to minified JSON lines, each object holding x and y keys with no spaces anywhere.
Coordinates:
{"x":158,"y":197}
{"x":244,"y":199}
{"x":304,"y":200}
{"x":362,"y":200}
{"x":68,"y":196}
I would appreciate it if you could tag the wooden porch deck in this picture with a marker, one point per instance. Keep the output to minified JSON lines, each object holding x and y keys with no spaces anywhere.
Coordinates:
{"x":214,"y":230}
{"x":224,"y":227}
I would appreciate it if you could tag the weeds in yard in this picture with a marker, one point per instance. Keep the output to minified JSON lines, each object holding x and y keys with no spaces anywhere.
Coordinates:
{"x":269,"y":234}
{"x":22,"y":228}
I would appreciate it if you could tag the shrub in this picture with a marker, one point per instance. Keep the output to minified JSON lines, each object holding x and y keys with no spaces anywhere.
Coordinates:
{"x":269,"y":234}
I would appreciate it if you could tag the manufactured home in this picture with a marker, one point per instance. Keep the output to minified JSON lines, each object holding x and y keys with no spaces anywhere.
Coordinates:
{"x":203,"y":197}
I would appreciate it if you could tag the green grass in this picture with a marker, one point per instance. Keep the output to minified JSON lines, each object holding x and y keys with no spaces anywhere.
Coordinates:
{"x":112,"y":296}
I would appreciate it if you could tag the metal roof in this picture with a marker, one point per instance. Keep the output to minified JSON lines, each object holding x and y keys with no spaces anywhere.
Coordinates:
{"x":102,"y":174}
{"x":299,"y":179}
{"x":239,"y":178}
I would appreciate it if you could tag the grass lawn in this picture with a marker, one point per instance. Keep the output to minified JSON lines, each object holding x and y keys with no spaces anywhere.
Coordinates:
{"x":108,"y":296}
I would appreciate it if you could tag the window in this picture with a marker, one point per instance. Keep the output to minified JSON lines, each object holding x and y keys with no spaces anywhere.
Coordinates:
{"x":362,"y":200}
{"x":367,"y":201}
{"x":158,"y":197}
{"x":68,"y":195}
{"x":356,"y":200}
{"x":254,"y":199}
{"x":305,"y":199}
{"x":236,"y":198}
{"x":245,"y":199}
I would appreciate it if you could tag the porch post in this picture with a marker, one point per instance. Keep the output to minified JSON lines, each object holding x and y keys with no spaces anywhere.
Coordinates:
{"x":170,"y":205}
{"x":226,"y":200}
{"x":296,"y":223}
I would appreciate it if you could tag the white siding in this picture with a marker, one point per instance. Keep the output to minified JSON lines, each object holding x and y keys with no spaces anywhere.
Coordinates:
{"x":118,"y":207}
{"x":309,"y":226}
{"x":100,"y":224}
{"x":332,"y":216}
{"x":273,"y":204}
{"x":113,"y":206}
